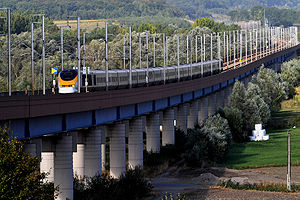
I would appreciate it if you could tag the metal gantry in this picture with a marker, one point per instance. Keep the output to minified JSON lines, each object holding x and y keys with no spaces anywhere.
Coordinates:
{"x":239,"y":44}
{"x":43,"y":51}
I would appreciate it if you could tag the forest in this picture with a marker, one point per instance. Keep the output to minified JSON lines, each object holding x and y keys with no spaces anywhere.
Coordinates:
{"x":275,"y":16}
{"x":94,"y":9}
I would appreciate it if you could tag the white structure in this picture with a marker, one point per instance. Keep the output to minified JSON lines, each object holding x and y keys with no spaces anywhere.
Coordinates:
{"x":259,"y":134}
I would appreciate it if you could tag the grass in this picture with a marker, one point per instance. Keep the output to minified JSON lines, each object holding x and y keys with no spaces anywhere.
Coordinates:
{"x":265,"y":153}
{"x":274,"y":151}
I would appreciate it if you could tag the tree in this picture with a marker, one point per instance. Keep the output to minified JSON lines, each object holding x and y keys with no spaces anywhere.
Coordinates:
{"x":237,"y":97}
{"x":209,"y":142}
{"x":271,"y":87}
{"x":254,"y":93}
{"x":20,"y":177}
{"x":204,"y":22}
{"x":235,"y":121}
{"x":291,"y":75}
{"x":251,"y":115}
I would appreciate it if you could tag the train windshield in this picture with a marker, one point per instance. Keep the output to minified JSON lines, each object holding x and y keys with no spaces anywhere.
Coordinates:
{"x":68,"y":75}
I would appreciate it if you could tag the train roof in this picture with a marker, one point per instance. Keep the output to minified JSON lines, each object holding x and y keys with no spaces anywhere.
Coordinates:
{"x":150,"y":68}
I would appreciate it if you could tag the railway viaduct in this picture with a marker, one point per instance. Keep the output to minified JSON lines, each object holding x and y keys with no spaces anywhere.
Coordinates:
{"x":68,"y":132}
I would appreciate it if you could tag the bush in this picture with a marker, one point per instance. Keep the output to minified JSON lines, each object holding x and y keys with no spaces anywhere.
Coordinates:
{"x":131,"y":185}
{"x":209,"y":142}
{"x":260,"y":187}
{"x":235,"y":121}
{"x":20,"y":176}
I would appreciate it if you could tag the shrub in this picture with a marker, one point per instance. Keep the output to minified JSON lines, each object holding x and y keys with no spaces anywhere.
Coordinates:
{"x":235,"y":121}
{"x":260,"y":187}
{"x":131,"y":185}
{"x":209,"y":142}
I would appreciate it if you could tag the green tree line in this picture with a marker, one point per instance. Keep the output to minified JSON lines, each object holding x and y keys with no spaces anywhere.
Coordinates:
{"x":93,"y":9}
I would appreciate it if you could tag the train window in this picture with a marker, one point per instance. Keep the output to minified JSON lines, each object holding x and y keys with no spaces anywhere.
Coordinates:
{"x":68,"y":75}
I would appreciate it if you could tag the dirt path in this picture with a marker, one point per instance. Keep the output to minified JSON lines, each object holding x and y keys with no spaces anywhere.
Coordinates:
{"x":228,"y":194}
{"x":200,"y":183}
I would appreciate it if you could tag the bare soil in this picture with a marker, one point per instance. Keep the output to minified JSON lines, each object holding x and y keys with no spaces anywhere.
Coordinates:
{"x":200,"y":183}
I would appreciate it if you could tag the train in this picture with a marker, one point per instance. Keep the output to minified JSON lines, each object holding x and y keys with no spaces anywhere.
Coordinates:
{"x":119,"y":78}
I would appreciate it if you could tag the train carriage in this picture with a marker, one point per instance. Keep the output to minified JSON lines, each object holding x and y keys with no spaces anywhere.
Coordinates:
{"x":119,"y":78}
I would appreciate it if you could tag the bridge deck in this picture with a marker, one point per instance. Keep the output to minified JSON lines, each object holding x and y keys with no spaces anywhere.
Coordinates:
{"x":94,"y":108}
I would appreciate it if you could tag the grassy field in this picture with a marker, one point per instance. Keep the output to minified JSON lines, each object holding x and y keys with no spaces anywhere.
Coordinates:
{"x":88,"y":25}
{"x":274,"y":151}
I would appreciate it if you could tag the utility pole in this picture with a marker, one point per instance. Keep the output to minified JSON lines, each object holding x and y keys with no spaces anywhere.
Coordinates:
{"x":289,"y":160}
{"x":196,"y":48}
{"x":9,"y":51}
{"x":62,"y":48}
{"x":43,"y":55}
{"x":124,"y":52}
{"x":219,"y":52}
{"x":140,"y":51}
{"x":32,"y":57}
{"x":187,"y":49}
{"x":201,"y":56}
{"x":106,"y":58}
{"x":191,"y":58}
{"x":83,"y":63}
{"x":234,"y":53}
{"x":246,"y":46}
{"x":147,"y":60}
{"x":78,"y":53}
{"x":153,"y":50}
{"x":164,"y":56}
{"x":227,"y":50}
{"x":178,"y":60}
{"x":167,"y":52}
{"x":130,"y":66}
{"x":204,"y":56}
{"x":211,"y":53}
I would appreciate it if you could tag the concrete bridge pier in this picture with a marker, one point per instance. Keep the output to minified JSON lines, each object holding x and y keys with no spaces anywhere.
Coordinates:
{"x":227,"y":94}
{"x":63,"y":166}
{"x":212,"y":104}
{"x":220,"y":99}
{"x":47,"y":157}
{"x":33,"y":147}
{"x":203,"y":110}
{"x":47,"y":165}
{"x":175,"y":114}
{"x":168,"y":135}
{"x":92,"y":162}
{"x":135,"y":143}
{"x":192,"y":118}
{"x":78,"y":156}
{"x":117,"y":149}
{"x":87,"y":159}
{"x":103,"y":146}
{"x":181,"y":121}
{"x":153,"y":133}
